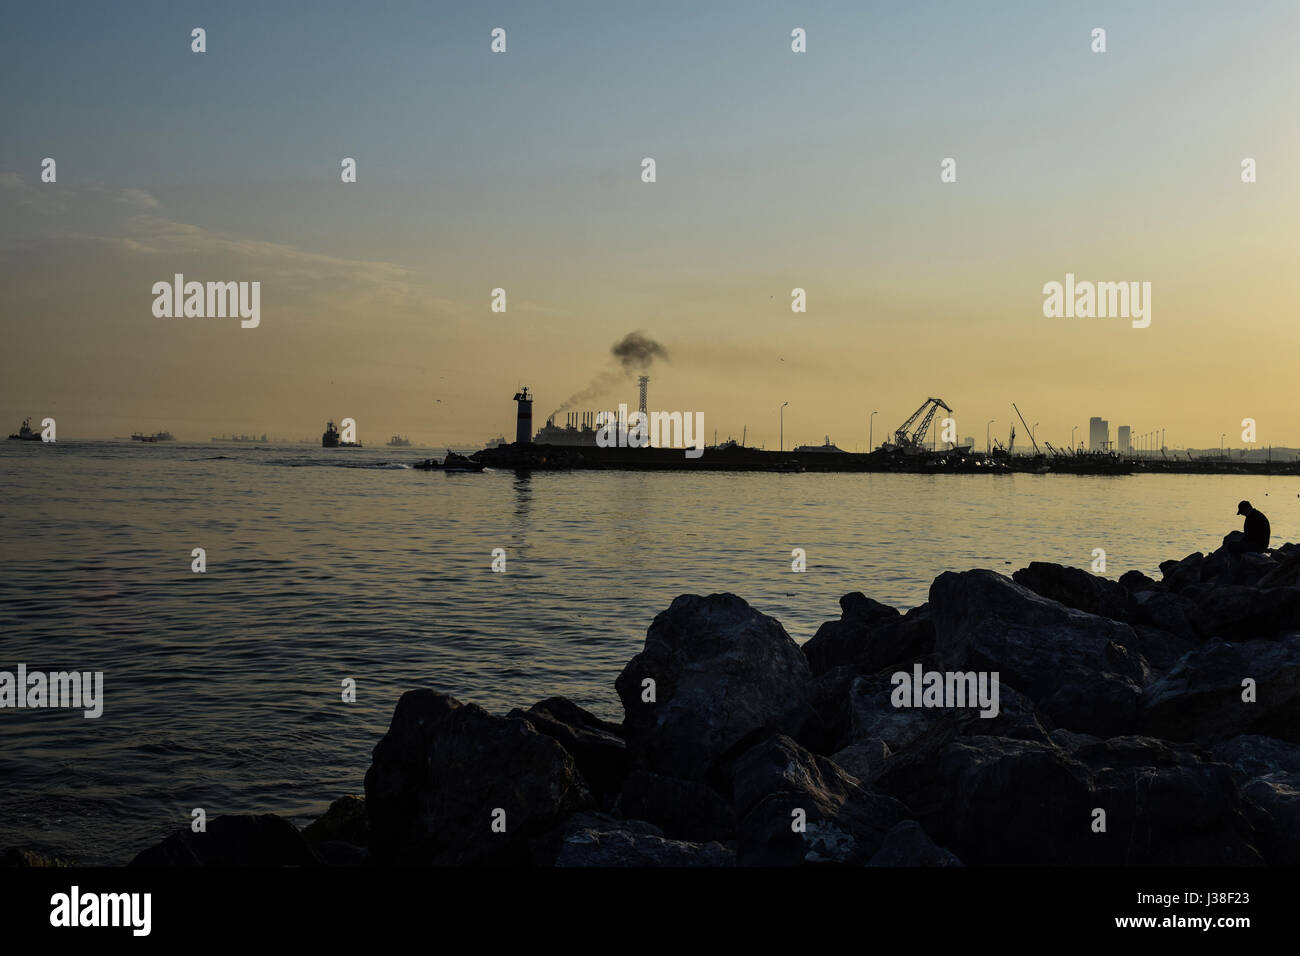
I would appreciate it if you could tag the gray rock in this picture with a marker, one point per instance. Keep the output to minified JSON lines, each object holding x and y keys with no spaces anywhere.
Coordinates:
{"x":722,"y":672}
{"x":1200,"y":698}
{"x":780,"y":787}
{"x":233,"y":841}
{"x":442,"y":771}
{"x":907,"y":844}
{"x":598,"y":840}
{"x":1076,"y":667}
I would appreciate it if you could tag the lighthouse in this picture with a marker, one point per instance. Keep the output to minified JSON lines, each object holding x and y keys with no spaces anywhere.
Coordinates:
{"x":524,"y":420}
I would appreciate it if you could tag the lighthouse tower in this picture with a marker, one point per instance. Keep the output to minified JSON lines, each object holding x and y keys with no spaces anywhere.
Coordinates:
{"x":524,"y":420}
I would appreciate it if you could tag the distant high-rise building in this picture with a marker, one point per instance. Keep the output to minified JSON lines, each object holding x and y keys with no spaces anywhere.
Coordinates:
{"x":1098,"y":434}
{"x":968,"y":441}
{"x":1122,"y":439}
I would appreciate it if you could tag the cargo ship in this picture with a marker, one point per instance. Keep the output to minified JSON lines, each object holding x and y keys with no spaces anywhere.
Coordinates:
{"x":332,"y":439}
{"x":156,"y":436}
{"x":25,"y":433}
{"x":397,"y":441}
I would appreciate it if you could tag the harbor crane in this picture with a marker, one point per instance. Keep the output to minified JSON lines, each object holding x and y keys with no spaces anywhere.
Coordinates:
{"x":910,"y":437}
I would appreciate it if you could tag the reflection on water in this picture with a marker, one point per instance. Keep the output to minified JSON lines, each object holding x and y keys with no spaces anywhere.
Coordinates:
{"x":222,"y":690}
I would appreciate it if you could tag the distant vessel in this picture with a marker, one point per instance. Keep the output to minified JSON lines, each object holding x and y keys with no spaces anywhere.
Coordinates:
{"x":453,"y":462}
{"x":397,"y":441}
{"x":242,"y":438}
{"x":828,"y":447}
{"x":331,"y":439}
{"x":25,"y":433}
{"x":495,"y":442}
{"x":156,"y":436}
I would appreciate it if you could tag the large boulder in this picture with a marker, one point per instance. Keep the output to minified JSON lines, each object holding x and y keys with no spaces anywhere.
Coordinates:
{"x":684,"y":809}
{"x":1166,"y":806}
{"x":869,"y":636}
{"x":599,"y":840}
{"x":1075,"y":666}
{"x":1076,"y":588}
{"x":234,"y":841}
{"x":1201,"y":697}
{"x":1180,"y":574}
{"x":1242,"y":613}
{"x":596,"y":745}
{"x":1268,"y":772}
{"x":721,"y":672}
{"x":907,"y":844}
{"x":994,"y":801}
{"x":443,"y":772}
{"x":875,"y":718}
{"x":795,"y":807}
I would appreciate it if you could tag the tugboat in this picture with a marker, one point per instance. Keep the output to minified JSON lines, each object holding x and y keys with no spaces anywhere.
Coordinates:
{"x":331,"y":439}
{"x":397,"y":441}
{"x":25,"y":433}
{"x":452,"y":463}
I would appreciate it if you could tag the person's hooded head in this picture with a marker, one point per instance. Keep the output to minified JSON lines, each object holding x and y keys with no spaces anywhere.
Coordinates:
{"x":1244,"y":508}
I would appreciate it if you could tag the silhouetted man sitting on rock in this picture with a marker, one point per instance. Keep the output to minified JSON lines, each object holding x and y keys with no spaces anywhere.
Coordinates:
{"x":1254,"y":535}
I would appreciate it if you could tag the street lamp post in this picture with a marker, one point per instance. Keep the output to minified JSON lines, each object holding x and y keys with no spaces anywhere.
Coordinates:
{"x":988,"y":444}
{"x":783,"y":404}
{"x":1221,"y":438}
{"x":871,"y":421}
{"x":1072,"y":431}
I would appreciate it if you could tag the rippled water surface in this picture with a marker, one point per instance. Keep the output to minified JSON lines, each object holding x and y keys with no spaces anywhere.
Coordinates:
{"x":222,"y":690}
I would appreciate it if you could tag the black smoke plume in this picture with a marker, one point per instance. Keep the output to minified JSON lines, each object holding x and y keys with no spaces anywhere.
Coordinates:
{"x":634,"y":352}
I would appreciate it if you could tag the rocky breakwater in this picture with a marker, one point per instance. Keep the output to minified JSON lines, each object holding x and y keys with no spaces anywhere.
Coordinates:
{"x":1134,"y":722}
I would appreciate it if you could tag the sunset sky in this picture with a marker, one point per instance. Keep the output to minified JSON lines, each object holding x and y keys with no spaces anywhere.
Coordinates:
{"x":775,"y":170}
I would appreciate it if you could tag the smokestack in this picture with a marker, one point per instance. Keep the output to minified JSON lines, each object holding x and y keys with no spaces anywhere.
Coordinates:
{"x":644,"y":382}
{"x":524,"y":419}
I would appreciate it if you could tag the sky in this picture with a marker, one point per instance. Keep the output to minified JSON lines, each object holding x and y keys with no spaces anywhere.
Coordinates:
{"x":774,"y":170}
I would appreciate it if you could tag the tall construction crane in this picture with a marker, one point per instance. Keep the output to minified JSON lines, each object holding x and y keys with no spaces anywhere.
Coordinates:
{"x":910,"y":437}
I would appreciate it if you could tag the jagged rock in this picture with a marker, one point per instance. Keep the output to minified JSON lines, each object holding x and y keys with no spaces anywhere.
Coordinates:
{"x":444,"y":769}
{"x":875,"y":718}
{"x":595,"y":839}
{"x":1160,"y":648}
{"x":993,"y":801}
{"x":1167,"y":611}
{"x":862,"y":760}
{"x":1180,"y":574}
{"x":907,"y":844}
{"x":1250,"y":569}
{"x":868,"y":636}
{"x":1242,"y":613}
{"x":1286,"y":569}
{"x":244,"y":840}
{"x":596,"y":746}
{"x":344,"y":821}
{"x":1135,"y":582}
{"x":683,"y":809}
{"x":1075,"y":666}
{"x":1076,"y":588}
{"x":1200,"y":699}
{"x":843,"y":822}
{"x":14,"y":857}
{"x":1268,"y":772}
{"x":722,"y":672}
{"x":1166,"y":806}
